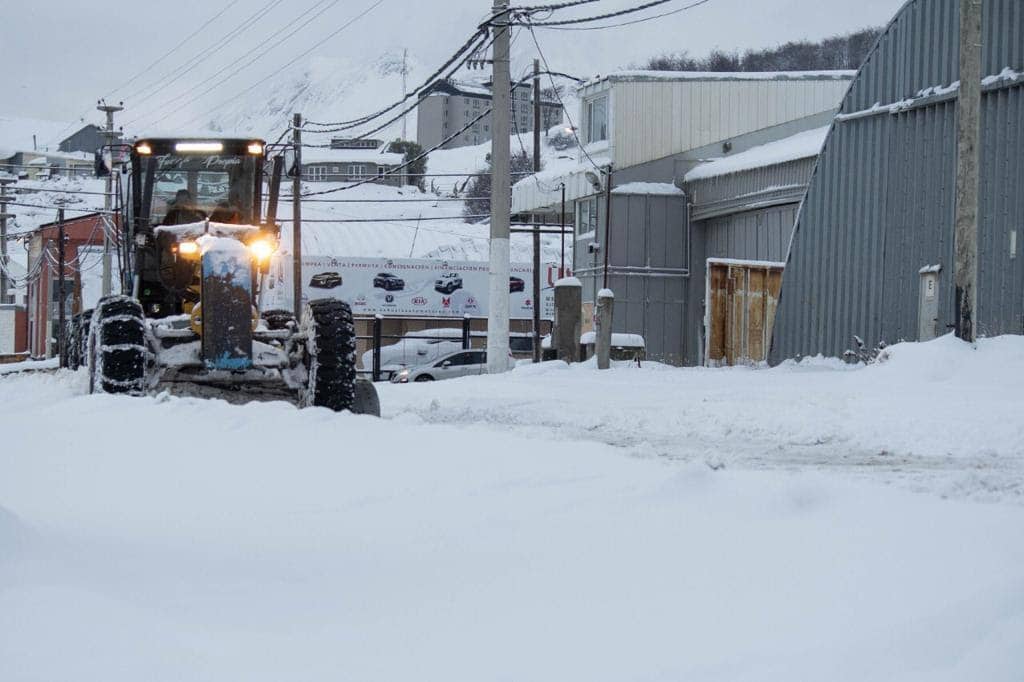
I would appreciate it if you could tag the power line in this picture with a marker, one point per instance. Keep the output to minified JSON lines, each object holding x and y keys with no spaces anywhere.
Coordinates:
{"x":199,"y":58}
{"x":247,"y":59}
{"x":628,"y":23}
{"x":565,"y":109}
{"x":174,"y":49}
{"x":408,"y":163}
{"x":467,"y":49}
{"x":293,"y":61}
{"x":525,"y":21}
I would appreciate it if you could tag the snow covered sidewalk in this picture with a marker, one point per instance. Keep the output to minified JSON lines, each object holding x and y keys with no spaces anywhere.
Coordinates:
{"x":937,"y":416}
{"x":183,"y":539}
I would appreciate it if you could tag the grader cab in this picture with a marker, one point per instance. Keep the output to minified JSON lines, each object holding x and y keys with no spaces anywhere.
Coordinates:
{"x":200,"y":253}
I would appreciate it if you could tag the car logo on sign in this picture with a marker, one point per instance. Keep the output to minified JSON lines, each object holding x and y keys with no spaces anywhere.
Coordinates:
{"x":419,"y":300}
{"x":446,"y":301}
{"x":389,"y":298}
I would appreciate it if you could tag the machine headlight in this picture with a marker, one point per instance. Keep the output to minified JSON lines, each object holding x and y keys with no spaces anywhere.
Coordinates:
{"x":255,"y":148}
{"x":261,"y":249}
{"x":143,"y":148}
{"x":188,"y":248}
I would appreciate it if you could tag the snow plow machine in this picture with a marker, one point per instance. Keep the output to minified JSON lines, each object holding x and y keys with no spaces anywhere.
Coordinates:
{"x":199,"y":252}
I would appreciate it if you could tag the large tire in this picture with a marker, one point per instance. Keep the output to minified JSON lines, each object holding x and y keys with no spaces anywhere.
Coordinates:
{"x":330,"y":354}
{"x":367,"y":401}
{"x":117,"y":347}
{"x":278,"y":319}
{"x":78,"y":340}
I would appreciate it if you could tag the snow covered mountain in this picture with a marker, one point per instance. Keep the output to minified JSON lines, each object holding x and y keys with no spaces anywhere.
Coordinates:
{"x":323,"y":89}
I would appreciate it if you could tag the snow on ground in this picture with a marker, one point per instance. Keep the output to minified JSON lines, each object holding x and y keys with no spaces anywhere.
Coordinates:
{"x":933,"y":416}
{"x":491,"y":528}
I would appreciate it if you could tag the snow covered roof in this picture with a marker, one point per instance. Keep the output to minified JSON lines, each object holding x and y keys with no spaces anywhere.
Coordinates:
{"x":660,"y":188}
{"x":352,"y":156}
{"x":16,"y":134}
{"x":638,"y":75}
{"x":799,"y":146}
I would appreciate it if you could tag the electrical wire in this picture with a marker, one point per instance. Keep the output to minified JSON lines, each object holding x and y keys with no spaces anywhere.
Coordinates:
{"x":202,"y":56}
{"x":565,"y":109}
{"x":628,"y":23}
{"x":174,"y":49}
{"x":247,"y":59}
{"x":522,"y":19}
{"x":467,"y":48}
{"x":255,"y":85}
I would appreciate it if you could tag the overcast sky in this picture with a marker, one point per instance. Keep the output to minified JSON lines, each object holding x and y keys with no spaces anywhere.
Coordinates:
{"x":61,"y":55}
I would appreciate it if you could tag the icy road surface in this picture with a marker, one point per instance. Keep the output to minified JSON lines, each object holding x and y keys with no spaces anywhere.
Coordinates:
{"x":723,"y":526}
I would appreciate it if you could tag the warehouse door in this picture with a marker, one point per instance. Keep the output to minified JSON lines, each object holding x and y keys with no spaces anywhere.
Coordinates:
{"x":741,"y":302}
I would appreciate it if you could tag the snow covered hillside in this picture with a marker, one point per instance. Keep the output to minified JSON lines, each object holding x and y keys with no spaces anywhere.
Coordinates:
{"x":725,"y":525}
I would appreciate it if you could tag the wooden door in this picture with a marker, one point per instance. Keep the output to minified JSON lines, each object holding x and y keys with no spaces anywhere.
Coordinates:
{"x":742,"y":299}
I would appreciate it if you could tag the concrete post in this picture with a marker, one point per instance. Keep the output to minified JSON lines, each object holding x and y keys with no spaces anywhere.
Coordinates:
{"x":603,"y":328}
{"x":565,"y":336}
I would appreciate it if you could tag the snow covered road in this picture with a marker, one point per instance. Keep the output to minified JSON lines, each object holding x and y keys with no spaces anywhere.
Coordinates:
{"x":477,"y":534}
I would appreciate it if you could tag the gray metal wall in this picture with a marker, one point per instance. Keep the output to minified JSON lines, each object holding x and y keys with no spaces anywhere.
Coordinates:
{"x":88,"y":139}
{"x":880,"y":202}
{"x":752,"y":235}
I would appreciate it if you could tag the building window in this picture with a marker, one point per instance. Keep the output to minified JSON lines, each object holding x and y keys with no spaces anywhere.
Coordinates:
{"x":381,"y":170}
{"x":335,"y":169}
{"x":357,"y":169}
{"x":597,"y":119}
{"x":586,"y":218}
{"x":315,"y":173}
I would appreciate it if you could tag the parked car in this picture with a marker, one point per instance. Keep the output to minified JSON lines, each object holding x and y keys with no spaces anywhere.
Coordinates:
{"x":388,"y":282}
{"x":417,"y":348}
{"x":448,"y":282}
{"x":459,"y":364}
{"x":326,"y":280}
{"x":516,"y":284}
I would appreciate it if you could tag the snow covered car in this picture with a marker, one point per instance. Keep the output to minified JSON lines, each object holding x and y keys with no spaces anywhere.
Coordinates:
{"x":326,"y":280}
{"x":516,"y":284}
{"x":388,"y":282}
{"x":458,"y":364}
{"x":447,"y":283}
{"x":416,"y":348}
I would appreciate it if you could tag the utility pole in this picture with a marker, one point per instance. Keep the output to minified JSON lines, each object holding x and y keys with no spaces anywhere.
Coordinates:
{"x":536,"y":228}
{"x":61,"y":292}
{"x":501,"y":189}
{"x":297,"y":217}
{"x":965,"y":275}
{"x":4,"y":215}
{"x":110,"y":135}
{"x":405,"y":74}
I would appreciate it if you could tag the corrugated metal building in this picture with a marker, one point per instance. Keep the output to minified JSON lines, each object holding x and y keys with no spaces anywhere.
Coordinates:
{"x":872,"y":253}
{"x":652,"y":129}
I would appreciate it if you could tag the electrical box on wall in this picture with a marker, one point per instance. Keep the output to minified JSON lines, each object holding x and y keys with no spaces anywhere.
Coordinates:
{"x":928,"y":303}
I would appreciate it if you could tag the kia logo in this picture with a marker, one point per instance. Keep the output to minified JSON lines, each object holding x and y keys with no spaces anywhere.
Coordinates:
{"x":419,"y":300}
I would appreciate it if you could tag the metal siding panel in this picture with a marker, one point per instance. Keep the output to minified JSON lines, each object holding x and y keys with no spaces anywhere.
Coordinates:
{"x":901,"y":210}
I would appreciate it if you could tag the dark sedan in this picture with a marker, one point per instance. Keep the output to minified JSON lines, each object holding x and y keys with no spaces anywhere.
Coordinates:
{"x":388,"y":282}
{"x":516,"y":284}
{"x":326,"y":280}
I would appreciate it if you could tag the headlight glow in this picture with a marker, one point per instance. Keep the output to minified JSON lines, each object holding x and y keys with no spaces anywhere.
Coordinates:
{"x":188,"y":248}
{"x":255,"y":148}
{"x":143,"y":149}
{"x":261,"y":249}
{"x":199,"y":147}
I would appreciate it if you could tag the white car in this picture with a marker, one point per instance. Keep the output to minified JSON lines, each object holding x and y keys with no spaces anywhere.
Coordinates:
{"x":459,"y":364}
{"x":448,"y":282}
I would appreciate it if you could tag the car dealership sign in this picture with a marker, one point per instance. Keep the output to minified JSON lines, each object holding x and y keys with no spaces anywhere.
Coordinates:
{"x":422,"y":287}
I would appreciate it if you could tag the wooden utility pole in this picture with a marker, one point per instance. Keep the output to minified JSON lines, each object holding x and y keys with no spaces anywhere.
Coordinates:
{"x":536,"y":228}
{"x":501,"y":189}
{"x":297,"y":217}
{"x":4,"y":215}
{"x":405,"y":86}
{"x":109,"y":134}
{"x":61,"y":291}
{"x":965,"y":270}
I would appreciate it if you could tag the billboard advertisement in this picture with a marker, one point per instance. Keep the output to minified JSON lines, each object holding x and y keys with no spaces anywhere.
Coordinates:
{"x":422,"y":288}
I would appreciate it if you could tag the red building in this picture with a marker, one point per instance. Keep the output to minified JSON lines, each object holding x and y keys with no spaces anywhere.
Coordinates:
{"x":83,"y":245}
